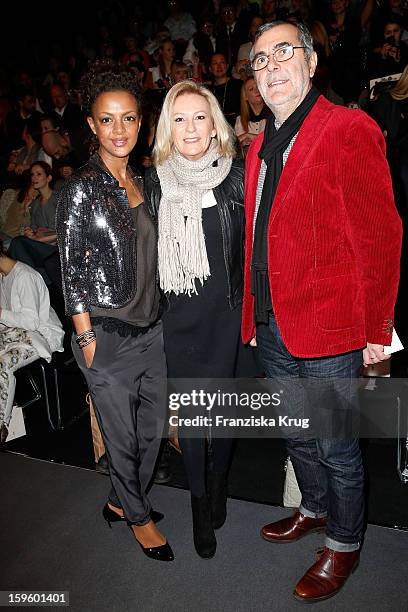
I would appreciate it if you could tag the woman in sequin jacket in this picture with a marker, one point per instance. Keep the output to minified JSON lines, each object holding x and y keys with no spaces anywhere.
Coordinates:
{"x":108,"y":248}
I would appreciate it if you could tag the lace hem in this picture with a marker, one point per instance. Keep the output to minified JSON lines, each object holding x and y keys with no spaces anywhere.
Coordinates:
{"x":111,"y":326}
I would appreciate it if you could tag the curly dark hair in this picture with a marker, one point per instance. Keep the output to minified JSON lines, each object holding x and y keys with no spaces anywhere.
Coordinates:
{"x":107,"y":76}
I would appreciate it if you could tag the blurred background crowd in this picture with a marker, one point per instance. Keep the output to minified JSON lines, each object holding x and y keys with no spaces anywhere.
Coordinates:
{"x":362,"y":47}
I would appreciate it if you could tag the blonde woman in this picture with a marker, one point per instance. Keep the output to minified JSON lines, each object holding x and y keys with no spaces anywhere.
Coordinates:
{"x":390,"y":111}
{"x":196,"y":188}
{"x":253,"y":114}
{"x":159,"y":76}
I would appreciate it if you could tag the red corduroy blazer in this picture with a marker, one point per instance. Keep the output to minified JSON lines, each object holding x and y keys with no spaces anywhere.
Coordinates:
{"x":334,"y":236}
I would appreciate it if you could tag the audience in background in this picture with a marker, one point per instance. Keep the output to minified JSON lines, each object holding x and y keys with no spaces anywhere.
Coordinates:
{"x":391,"y":56}
{"x":253,"y":114}
{"x":180,"y":24}
{"x":32,"y":151}
{"x":226,"y":89}
{"x":17,"y":119}
{"x":355,"y":41}
{"x":15,"y":210}
{"x":231,"y":33}
{"x":160,"y":75}
{"x":39,"y":239}
{"x":201,"y":45}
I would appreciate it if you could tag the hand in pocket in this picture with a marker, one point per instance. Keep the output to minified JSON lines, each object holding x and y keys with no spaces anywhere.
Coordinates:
{"x":89,"y":353}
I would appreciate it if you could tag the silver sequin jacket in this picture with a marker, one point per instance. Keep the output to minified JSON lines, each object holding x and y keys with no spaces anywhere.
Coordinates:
{"x":96,"y":240}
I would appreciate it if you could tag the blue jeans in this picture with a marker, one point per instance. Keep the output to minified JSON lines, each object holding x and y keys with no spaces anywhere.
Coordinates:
{"x":329,"y":471}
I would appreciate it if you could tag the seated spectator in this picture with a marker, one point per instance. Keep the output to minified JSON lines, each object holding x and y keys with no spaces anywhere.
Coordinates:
{"x":25,"y":80}
{"x":179,"y":72}
{"x":160,"y":75}
{"x":202,"y":46}
{"x":242,"y":67}
{"x":391,"y":56}
{"x":69,"y":114}
{"x":302,"y":13}
{"x":66,"y":80}
{"x":43,"y":207}
{"x":388,"y":11}
{"x":39,"y":239}
{"x":140,"y":73}
{"x":390,"y":111}
{"x":134,"y":54}
{"x":181,"y":26}
{"x":51,"y":123}
{"x":29,"y":328}
{"x":230,"y":33}
{"x":15,"y":210}
{"x":270,"y":11}
{"x":72,"y":120}
{"x":227,"y":90}
{"x":54,"y":64}
{"x":141,"y":156}
{"x":62,"y":169}
{"x":344,"y":33}
{"x":21,"y":160}
{"x":106,"y":52}
{"x":58,"y":146}
{"x":253,"y":115}
{"x":16,"y":120}
{"x":152,"y":46}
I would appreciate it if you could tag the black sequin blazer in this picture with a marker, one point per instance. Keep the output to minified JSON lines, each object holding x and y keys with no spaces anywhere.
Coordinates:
{"x":96,"y":239}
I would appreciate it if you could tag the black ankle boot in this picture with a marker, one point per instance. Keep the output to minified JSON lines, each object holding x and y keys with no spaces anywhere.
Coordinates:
{"x":217,"y":487}
{"x":203,"y":532}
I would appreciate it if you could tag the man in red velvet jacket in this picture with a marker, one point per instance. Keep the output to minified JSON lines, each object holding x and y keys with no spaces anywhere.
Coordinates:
{"x":321,"y":274}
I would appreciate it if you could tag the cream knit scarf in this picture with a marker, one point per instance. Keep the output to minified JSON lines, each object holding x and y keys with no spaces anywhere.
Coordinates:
{"x":182,"y":254}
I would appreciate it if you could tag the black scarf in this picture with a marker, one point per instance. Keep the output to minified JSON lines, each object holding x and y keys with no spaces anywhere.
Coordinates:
{"x":274,"y":145}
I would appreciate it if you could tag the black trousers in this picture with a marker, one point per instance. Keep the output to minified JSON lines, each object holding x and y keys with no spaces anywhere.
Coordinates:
{"x":32,"y":253}
{"x":127,"y":383}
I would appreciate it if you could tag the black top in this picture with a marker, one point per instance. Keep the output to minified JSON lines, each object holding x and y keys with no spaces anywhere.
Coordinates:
{"x":143,"y":308}
{"x":201,"y":332}
{"x":229,"y":98}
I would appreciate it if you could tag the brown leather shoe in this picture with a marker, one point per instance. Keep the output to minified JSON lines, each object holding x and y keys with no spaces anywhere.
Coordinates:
{"x":292,"y":528}
{"x":326,"y":577}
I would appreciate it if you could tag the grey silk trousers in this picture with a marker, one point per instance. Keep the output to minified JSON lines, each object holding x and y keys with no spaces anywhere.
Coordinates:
{"x":127,"y":383}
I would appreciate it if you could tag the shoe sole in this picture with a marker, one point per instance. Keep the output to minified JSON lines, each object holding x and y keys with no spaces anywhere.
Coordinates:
{"x":324,"y":597}
{"x":282,"y":541}
{"x":206,"y":556}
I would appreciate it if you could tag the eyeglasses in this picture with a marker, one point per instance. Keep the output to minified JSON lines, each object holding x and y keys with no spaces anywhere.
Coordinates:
{"x":282,"y":54}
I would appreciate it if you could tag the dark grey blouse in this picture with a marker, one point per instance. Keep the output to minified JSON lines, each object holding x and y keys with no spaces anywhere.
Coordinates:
{"x":143,"y":308}
{"x":43,"y":216}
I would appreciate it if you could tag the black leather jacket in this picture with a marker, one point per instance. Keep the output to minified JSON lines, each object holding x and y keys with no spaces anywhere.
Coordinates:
{"x":230,"y":202}
{"x":96,"y":239}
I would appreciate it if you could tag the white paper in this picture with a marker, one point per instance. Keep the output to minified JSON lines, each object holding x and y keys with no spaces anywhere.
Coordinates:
{"x":16,"y":427}
{"x":395,"y":346}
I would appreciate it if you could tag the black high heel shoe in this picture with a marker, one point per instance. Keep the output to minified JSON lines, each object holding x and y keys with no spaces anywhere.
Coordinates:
{"x":158,"y":553}
{"x":111,"y":516}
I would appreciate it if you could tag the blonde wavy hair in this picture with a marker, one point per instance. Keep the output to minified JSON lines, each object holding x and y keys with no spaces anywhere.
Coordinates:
{"x":400,"y":90}
{"x":164,"y":139}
